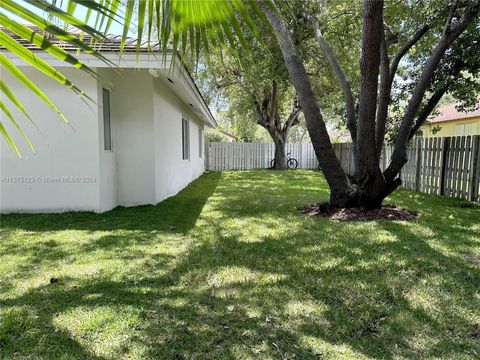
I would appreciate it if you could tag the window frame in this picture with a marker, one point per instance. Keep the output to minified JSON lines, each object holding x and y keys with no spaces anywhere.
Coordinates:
{"x":200,"y":143}
{"x":185,"y":139}
{"x":107,"y":121}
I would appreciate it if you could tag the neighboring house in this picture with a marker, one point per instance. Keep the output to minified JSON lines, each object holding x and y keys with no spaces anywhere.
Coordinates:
{"x":451,"y":122}
{"x":141,"y":142}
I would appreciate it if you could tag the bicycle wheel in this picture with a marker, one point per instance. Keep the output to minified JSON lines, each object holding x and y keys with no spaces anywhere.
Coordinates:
{"x":292,"y":163}
{"x":272,"y":163}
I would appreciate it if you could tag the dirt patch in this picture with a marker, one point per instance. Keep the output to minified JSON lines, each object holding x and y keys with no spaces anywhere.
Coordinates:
{"x":387,"y":212}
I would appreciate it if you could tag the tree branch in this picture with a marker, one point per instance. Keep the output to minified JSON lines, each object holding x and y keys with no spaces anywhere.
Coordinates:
{"x":427,"y":110}
{"x":387,"y":73}
{"x":332,"y":169}
{"x":347,"y":90}
{"x":399,"y":155}
{"x":451,"y":14}
{"x":260,"y":115}
{"x":384,"y":97}
{"x":293,"y":117}
{"x":405,"y":48}
{"x":274,"y":119}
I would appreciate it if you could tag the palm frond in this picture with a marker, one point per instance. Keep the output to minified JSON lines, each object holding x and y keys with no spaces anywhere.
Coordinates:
{"x":182,"y":26}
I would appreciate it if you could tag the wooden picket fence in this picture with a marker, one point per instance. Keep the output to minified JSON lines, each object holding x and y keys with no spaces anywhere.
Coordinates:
{"x":445,"y":166}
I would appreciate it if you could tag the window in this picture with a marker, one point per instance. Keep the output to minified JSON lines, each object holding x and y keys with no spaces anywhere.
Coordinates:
{"x":465,"y":129}
{"x":185,"y":139}
{"x":200,"y":142}
{"x":107,"y":130}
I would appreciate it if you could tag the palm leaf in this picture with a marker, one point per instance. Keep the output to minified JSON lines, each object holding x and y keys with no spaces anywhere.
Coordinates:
{"x":20,"y":76}
{"x":8,"y":139}
{"x":51,"y":29}
{"x":181,"y":26}
{"x":43,"y":43}
{"x":11,"y":96}
{"x":22,"y":52}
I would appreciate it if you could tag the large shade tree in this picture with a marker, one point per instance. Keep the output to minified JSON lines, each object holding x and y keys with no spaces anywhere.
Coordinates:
{"x":412,"y":53}
{"x":256,"y":90}
{"x":446,"y":52}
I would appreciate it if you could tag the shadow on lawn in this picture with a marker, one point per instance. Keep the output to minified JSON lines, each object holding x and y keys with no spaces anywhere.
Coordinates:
{"x":235,"y":293}
{"x":178,"y":213}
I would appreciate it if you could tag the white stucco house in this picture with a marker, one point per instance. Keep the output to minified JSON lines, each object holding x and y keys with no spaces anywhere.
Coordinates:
{"x":140,"y":142}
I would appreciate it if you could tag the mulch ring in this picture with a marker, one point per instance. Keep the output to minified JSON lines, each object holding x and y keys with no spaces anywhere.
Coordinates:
{"x":387,"y":212}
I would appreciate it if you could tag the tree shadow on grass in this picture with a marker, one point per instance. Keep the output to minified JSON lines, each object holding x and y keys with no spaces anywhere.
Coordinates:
{"x":138,"y":225}
{"x":178,"y":213}
{"x":258,"y":280}
{"x":280,"y":298}
{"x":363,"y":303}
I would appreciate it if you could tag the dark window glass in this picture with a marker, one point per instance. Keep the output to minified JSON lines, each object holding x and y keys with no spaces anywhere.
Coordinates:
{"x":200,"y":142}
{"x":107,"y":130}
{"x":185,"y":140}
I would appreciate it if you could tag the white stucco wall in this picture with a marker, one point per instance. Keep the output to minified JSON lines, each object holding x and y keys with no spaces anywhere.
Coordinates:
{"x":63,"y":175}
{"x":145,"y":165}
{"x":172,"y":173}
{"x":132,"y":108}
{"x":107,"y":159}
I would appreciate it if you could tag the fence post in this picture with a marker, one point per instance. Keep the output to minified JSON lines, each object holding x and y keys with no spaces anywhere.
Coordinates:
{"x":443,"y":164}
{"x":418,"y":167}
{"x":474,"y":177}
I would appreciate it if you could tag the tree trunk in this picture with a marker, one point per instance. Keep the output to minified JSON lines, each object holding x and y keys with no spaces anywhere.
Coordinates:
{"x":336,"y":177}
{"x":280,"y":160}
{"x":370,"y":190}
{"x":369,"y":186}
{"x":372,"y":30}
{"x":269,"y":118}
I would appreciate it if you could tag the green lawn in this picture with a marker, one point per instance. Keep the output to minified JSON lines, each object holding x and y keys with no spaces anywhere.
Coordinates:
{"x":228,"y":269}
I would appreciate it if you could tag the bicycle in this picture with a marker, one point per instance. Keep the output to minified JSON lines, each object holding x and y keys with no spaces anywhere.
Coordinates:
{"x":292,"y":163}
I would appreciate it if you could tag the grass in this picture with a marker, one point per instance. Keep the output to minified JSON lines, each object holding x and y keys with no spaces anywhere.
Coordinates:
{"x":228,"y":269}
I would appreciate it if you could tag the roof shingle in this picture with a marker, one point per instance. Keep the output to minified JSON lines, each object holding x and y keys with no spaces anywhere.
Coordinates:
{"x":111,"y":43}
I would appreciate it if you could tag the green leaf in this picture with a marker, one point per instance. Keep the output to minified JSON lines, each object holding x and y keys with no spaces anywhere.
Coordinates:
{"x":12,"y":69}
{"x":25,"y":54}
{"x":7,"y":112}
{"x":43,"y":43}
{"x":68,"y":18}
{"x":44,"y":25}
{"x":11,"y":96}
{"x":141,"y":23}
{"x":9,"y":141}
{"x":128,"y":19}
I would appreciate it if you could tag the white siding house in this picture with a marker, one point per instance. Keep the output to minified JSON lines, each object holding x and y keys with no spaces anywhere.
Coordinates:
{"x":137,"y":143}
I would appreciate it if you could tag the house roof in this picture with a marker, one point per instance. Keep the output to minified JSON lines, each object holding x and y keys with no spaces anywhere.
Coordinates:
{"x":450,"y":113}
{"x":111,"y":45}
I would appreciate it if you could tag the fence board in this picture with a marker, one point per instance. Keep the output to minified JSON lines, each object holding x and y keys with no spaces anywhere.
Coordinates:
{"x":446,"y":166}
{"x":474,"y":180}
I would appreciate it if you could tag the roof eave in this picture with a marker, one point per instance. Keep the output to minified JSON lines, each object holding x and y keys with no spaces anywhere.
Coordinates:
{"x":144,"y":60}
